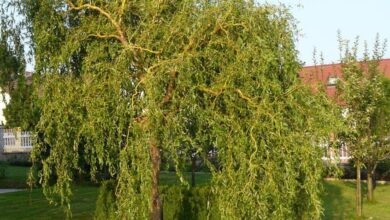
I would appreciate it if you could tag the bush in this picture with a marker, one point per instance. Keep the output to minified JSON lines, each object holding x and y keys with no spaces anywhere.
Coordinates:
{"x":383,"y":170}
{"x":105,"y":203}
{"x":22,"y":160}
{"x":179,"y":202}
{"x":2,"y":170}
{"x":189,"y":204}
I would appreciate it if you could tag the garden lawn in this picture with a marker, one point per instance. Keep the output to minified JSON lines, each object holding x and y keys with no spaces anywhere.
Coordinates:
{"x":15,"y":177}
{"x":339,"y":201}
{"x":33,"y":205}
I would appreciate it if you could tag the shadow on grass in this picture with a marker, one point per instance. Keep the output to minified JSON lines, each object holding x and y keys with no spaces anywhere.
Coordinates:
{"x":337,"y":203}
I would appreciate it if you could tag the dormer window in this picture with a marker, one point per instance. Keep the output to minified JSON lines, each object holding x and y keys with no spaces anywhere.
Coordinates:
{"x":332,"y":80}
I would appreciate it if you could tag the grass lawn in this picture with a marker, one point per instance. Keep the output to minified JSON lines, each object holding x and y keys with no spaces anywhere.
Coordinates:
{"x":15,"y":177}
{"x":33,"y":205}
{"x":338,"y":199}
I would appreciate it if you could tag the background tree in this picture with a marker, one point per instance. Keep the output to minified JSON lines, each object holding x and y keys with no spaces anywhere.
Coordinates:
{"x":19,"y":111}
{"x":380,"y":125}
{"x":145,"y":69}
{"x":362,"y":90}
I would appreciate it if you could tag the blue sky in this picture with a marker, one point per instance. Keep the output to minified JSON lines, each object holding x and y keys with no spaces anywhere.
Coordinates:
{"x":320,"y":20}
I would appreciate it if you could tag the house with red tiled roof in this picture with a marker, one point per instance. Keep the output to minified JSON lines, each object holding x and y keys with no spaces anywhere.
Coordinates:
{"x":327,"y":75}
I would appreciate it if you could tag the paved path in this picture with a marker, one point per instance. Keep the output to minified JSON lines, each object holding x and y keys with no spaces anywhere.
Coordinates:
{"x":9,"y":190}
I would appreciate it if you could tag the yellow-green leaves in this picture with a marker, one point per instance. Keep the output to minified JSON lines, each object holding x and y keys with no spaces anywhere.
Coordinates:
{"x":190,"y":76}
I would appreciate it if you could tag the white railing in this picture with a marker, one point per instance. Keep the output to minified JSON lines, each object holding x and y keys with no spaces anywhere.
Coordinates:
{"x":342,"y":155}
{"x":16,"y":141}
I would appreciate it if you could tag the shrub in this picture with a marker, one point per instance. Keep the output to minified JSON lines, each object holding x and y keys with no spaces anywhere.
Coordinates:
{"x":19,"y":160}
{"x":105,"y":203}
{"x":2,"y":170}
{"x":383,"y":170}
{"x":190,"y":204}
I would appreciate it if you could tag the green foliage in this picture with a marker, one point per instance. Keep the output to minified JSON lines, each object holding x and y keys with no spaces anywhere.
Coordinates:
{"x":20,"y":111}
{"x":105,"y":204}
{"x":2,"y":170}
{"x":179,"y":202}
{"x":119,"y":77}
{"x":189,"y":203}
{"x":383,"y":170}
{"x":366,"y":95}
{"x":12,"y":61}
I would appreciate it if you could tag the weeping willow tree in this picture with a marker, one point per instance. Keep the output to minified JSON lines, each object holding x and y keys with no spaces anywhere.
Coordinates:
{"x":125,"y":81}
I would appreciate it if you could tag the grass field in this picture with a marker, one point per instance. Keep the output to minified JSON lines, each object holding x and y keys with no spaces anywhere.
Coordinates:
{"x":338,"y":199}
{"x":15,"y":177}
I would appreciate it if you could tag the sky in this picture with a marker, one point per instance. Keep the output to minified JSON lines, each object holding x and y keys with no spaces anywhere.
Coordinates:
{"x":319,"y":21}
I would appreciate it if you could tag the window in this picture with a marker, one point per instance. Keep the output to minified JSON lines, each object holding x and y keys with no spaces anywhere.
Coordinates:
{"x":332,"y":80}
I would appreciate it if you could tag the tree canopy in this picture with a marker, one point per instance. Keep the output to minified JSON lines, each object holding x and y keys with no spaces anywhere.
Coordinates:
{"x":124,"y":81}
{"x":365,"y":100}
{"x":19,"y":110}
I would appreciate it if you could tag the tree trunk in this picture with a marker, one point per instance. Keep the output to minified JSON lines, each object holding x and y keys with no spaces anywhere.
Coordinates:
{"x":193,"y":168}
{"x":358,"y":192}
{"x":156,"y":209}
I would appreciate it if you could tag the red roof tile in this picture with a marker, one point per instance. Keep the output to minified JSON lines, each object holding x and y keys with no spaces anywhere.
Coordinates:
{"x":313,"y":75}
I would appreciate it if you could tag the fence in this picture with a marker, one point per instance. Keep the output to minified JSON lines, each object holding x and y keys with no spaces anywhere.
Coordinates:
{"x":16,"y":141}
{"x":340,"y":154}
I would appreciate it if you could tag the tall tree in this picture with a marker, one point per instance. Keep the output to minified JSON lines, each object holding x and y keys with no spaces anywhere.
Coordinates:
{"x":362,"y":91}
{"x":19,"y":111}
{"x":145,"y":69}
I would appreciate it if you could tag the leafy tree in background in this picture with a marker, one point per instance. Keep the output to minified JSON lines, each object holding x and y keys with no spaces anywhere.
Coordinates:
{"x":12,"y":63}
{"x":363,"y":92}
{"x":121,"y":80}
{"x":380,"y":148}
{"x":19,"y":111}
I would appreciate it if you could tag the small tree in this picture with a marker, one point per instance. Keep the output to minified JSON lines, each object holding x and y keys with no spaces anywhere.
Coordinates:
{"x":379,"y":149}
{"x":362,"y":92}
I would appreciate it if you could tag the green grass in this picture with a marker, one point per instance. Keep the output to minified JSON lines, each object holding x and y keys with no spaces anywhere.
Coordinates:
{"x":15,"y":177}
{"x":33,"y":205}
{"x":26,"y":205}
{"x":338,"y":199}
